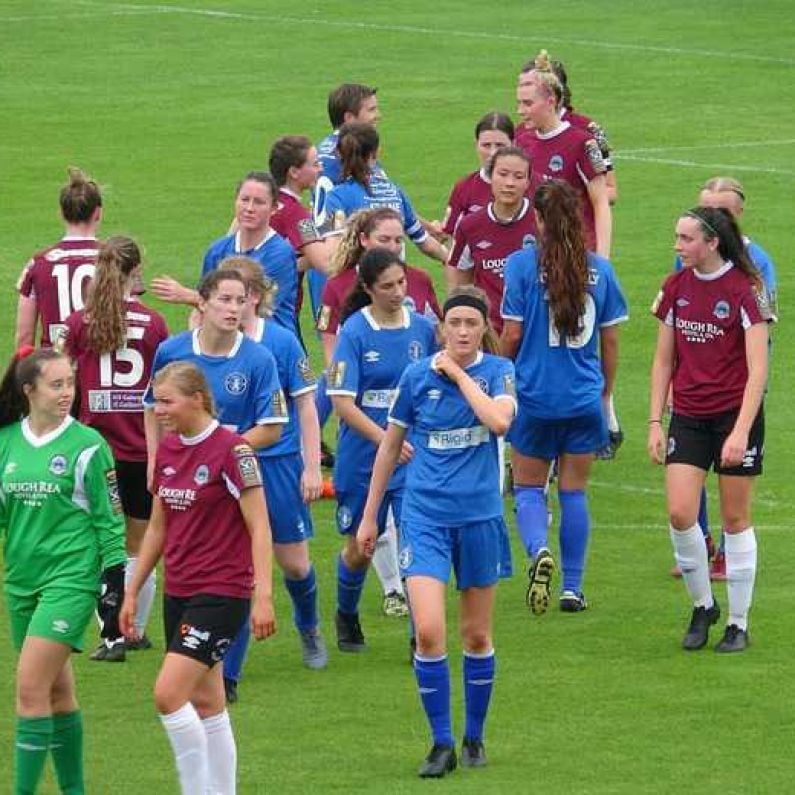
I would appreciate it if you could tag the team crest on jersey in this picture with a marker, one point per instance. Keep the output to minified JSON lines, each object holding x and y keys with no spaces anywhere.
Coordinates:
{"x":201,"y":475}
{"x":336,"y":374}
{"x":58,"y":464}
{"x":324,"y":318}
{"x":236,"y":383}
{"x":344,"y":517}
{"x":415,"y":350}
{"x":410,"y":303}
{"x":527,"y":241}
{"x":371,"y":357}
{"x":555,"y":164}
{"x":721,"y":310}
{"x":483,"y":384}
{"x":406,"y":557}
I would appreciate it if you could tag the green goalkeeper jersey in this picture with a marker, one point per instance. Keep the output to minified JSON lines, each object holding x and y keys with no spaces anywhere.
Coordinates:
{"x":59,"y":508}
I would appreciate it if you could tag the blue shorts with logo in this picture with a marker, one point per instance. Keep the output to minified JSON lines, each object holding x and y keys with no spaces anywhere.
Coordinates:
{"x":350,"y":508}
{"x":289,"y":515}
{"x":479,"y":553}
{"x":547,"y":439}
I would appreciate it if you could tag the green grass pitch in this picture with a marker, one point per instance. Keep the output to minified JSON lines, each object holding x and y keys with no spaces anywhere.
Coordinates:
{"x":168,"y":105}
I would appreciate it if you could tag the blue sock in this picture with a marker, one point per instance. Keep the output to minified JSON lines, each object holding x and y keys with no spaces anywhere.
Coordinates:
{"x":478,"y":684}
{"x":304,"y":596}
{"x":433,"y":682}
{"x":703,"y":516}
{"x":322,"y":401}
{"x":236,"y":653}
{"x":531,"y":517}
{"x":575,"y":527}
{"x":349,"y":587}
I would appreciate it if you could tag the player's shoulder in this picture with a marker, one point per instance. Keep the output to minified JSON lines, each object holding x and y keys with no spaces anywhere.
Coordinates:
{"x":221,"y":246}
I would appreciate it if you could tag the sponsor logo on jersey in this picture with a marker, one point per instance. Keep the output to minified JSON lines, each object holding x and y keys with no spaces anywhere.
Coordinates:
{"x":344,"y":517}
{"x":594,"y":154}
{"x":60,"y":625}
{"x":247,"y":465}
{"x":336,"y":374}
{"x":371,"y":357}
{"x":682,"y":302}
{"x":279,"y":403}
{"x":236,"y":383}
{"x":415,"y":350}
{"x":10,"y":467}
{"x":497,"y":265}
{"x":177,"y":499}
{"x":305,"y":371}
{"x":201,"y":475}
{"x":58,"y":464}
{"x":324,"y":318}
{"x":483,"y":244}
{"x":458,"y":438}
{"x":434,"y":394}
{"x":721,"y":310}
{"x":405,"y":557}
{"x":555,"y":163}
{"x":378,"y":398}
{"x":192,"y":638}
{"x":169,"y":471}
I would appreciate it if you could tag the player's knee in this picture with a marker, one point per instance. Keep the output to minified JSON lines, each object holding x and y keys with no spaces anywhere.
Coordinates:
{"x":682,"y":516}
{"x":477,"y":641}
{"x":166,"y":700}
{"x":33,"y":698}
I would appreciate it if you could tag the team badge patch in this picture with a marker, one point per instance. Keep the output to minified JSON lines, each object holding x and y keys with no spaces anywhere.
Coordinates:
{"x":247,"y":465}
{"x":279,"y":404}
{"x":236,"y":383}
{"x":336,"y":374}
{"x":415,"y":350}
{"x":509,"y":385}
{"x":555,"y":164}
{"x":324,"y":318}
{"x":112,"y":483}
{"x":307,"y":230}
{"x":201,"y":475}
{"x":344,"y":517}
{"x":721,"y":310}
{"x":763,"y":303}
{"x":527,"y":241}
{"x":58,"y":464}
{"x":483,"y":384}
{"x":305,"y":371}
{"x":406,"y":557}
{"x":594,"y":154}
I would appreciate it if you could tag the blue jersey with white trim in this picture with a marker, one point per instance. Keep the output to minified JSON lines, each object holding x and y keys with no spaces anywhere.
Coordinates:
{"x":349,"y":196}
{"x":329,"y":158}
{"x":244,"y":383}
{"x":559,"y":377}
{"x":277,"y":258}
{"x":296,"y":379}
{"x":367,"y":364}
{"x":454,"y":476}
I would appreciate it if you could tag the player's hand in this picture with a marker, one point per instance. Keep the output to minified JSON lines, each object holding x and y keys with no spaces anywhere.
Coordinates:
{"x":436,"y":229}
{"x":406,"y":453}
{"x":263,"y":618}
{"x":311,"y":484}
{"x":656,"y":443}
{"x":734,"y":448}
{"x":366,"y":537}
{"x":443,"y":364}
{"x":169,"y":289}
{"x":127,"y":617}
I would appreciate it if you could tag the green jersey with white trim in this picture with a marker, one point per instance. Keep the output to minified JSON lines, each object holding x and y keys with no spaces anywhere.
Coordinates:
{"x":59,"y":508}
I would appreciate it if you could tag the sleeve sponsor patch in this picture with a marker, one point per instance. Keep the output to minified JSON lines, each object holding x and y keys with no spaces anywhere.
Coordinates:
{"x":279,"y":403}
{"x":599,"y":136}
{"x":247,"y":466}
{"x":509,"y":385}
{"x":336,"y":374}
{"x":324,"y":318}
{"x":763,"y":303}
{"x":305,"y":372}
{"x":338,"y":220}
{"x":307,"y":231}
{"x":594,"y":154}
{"x":112,"y":483}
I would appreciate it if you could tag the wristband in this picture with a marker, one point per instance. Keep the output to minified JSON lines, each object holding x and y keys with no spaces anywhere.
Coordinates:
{"x":655,"y":422}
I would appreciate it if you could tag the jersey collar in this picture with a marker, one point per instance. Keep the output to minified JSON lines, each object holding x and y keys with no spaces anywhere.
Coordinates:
{"x":562,"y":127}
{"x":711,"y":277}
{"x":197,"y":350}
{"x":268,"y":235}
{"x":41,"y":441}
{"x":376,"y":326}
{"x":484,"y":176}
{"x":522,"y":212}
{"x":478,"y":360}
{"x":200,"y":437}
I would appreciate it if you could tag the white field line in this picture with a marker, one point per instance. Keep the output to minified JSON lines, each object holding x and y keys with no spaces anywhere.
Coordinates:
{"x":665,"y":161}
{"x":708,"y":147}
{"x":438,"y":32}
{"x":663,"y":526}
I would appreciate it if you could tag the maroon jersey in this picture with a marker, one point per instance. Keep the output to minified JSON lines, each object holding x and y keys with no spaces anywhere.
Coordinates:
{"x":112,"y":386}
{"x":594,"y":129}
{"x":482,"y":243}
{"x":709,"y":315}
{"x":198,"y":482}
{"x":57,"y":278}
{"x":571,"y":155}
{"x":420,"y":297}
{"x":470,"y":194}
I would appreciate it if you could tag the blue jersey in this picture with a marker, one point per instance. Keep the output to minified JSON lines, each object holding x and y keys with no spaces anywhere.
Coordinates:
{"x":244,"y":383}
{"x":277,"y":258}
{"x":453,"y":478}
{"x":329,"y":158}
{"x":367,"y":364}
{"x":295,"y":376}
{"x":559,"y":378}
{"x":349,"y":196}
{"x":765,"y":266}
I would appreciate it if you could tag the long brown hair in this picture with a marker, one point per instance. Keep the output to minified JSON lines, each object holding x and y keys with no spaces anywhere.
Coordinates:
{"x":364,"y":222}
{"x":24,"y":369}
{"x":357,"y":144}
{"x":563,"y":260}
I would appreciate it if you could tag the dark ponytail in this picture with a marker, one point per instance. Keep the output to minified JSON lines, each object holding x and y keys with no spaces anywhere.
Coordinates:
{"x":371,"y":266}
{"x":24,"y":368}
{"x":358,"y":144}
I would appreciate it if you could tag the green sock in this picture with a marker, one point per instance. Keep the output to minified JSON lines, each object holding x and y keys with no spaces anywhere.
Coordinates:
{"x":32,"y":743}
{"x":67,"y":751}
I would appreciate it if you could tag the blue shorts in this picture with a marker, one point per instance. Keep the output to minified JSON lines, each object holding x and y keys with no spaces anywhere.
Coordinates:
{"x":479,"y":553}
{"x":547,"y":439}
{"x":289,"y":515}
{"x":350,"y":507}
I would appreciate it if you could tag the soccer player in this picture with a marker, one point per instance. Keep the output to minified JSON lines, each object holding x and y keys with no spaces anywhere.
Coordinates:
{"x":558,"y":150}
{"x":524,"y":132}
{"x":113,"y":342}
{"x":54,"y":281}
{"x":562,"y":308}
{"x":473,"y":192}
{"x":61,"y":518}
{"x":379,"y":337}
{"x":455,"y":405}
{"x":727,"y":193}
{"x":242,"y":375}
{"x":290,"y":468}
{"x":364,"y":185}
{"x":368,"y":229}
{"x":483,"y":240}
{"x":210,"y":524}
{"x":712,"y":351}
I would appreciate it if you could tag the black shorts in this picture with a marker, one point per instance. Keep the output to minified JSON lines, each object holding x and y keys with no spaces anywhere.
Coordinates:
{"x":698,"y":442}
{"x":202,"y":626}
{"x":136,"y":501}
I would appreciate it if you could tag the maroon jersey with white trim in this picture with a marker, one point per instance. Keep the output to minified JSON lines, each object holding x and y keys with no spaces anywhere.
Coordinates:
{"x":58,"y":278}
{"x":709,"y":315}
{"x":112,"y":386}
{"x":198,"y":482}
{"x":482,"y":243}
{"x":570,"y":155}
{"x":470,"y":194}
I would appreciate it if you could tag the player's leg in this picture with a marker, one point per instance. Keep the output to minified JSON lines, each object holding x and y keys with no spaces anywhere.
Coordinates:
{"x":208,"y":699}
{"x":385,"y":565}
{"x":67,"y":735}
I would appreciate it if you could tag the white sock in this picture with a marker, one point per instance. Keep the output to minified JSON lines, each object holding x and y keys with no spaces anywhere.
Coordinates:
{"x":612,"y":419}
{"x":690,"y":553}
{"x":146,"y":596}
{"x":740,"y":574}
{"x":189,"y":744}
{"x":385,"y":558}
{"x":221,"y":754}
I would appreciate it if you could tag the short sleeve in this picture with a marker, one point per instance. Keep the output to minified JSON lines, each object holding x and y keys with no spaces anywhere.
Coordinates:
{"x":343,"y":374}
{"x":514,"y":293}
{"x":300,"y":378}
{"x":614,"y":309}
{"x":335,"y":217}
{"x":25,"y":281}
{"x":755,"y":307}
{"x":402,"y":410}
{"x":460,"y":254}
{"x":271,"y":407}
{"x":662,"y":307}
{"x":454,"y":210}
{"x":210,"y":261}
{"x":413,"y":226}
{"x":503,"y":381}
{"x":160,"y":361}
{"x":240,"y":469}
{"x":591,"y":163}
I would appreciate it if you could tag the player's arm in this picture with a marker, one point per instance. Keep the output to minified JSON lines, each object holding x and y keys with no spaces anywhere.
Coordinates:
{"x":661,"y":372}
{"x":432,"y":248}
{"x":612,"y":187}
{"x":608,"y":357}
{"x":27,"y":315}
{"x":311,"y":478}
{"x":511,"y":338}
{"x":603,"y":217}
{"x":346,"y":409}
{"x":317,"y":255}
{"x":152,"y":434}
{"x":168,"y":289}
{"x":264,"y":435}
{"x":255,"y":515}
